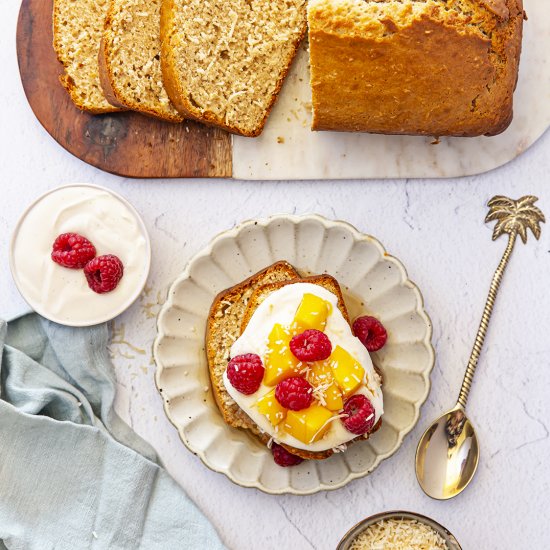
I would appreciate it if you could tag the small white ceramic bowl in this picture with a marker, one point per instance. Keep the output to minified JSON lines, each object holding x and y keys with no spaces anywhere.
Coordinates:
{"x":110,"y":222}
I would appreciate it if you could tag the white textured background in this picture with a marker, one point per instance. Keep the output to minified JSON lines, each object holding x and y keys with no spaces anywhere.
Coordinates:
{"x":436,"y":228}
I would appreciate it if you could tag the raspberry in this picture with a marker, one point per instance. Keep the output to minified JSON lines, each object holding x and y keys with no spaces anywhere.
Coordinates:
{"x":371,"y":332}
{"x":311,"y":345}
{"x":104,"y":273}
{"x":294,"y":393}
{"x":246,"y":372}
{"x":72,"y":250}
{"x":283,"y":458}
{"x":361,"y":415}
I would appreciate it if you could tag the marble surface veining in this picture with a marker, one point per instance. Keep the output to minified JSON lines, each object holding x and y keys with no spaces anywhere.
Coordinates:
{"x":316,"y":155}
{"x":436,"y":228}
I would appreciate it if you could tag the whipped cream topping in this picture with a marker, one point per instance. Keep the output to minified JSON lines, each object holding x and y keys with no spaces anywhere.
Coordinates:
{"x":63,"y":294}
{"x":280,"y":307}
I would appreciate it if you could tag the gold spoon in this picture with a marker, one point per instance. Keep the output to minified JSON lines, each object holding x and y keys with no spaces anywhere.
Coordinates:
{"x":448,"y":453}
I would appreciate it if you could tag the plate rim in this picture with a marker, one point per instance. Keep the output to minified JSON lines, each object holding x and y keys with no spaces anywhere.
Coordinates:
{"x":295,"y":220}
{"x":43,"y":311}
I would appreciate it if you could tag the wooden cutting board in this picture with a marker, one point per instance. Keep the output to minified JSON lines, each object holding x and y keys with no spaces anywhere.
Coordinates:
{"x":132,"y":145}
{"x":126,"y":144}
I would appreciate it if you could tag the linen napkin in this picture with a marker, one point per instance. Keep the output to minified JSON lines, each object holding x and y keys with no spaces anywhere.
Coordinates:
{"x":72,"y":474}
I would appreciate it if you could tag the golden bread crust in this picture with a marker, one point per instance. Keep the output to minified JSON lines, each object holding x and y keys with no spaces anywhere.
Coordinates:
{"x":223,"y":327}
{"x":422,"y":71}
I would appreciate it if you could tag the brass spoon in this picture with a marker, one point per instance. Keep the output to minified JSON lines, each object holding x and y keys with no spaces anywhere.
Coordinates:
{"x":448,"y":453}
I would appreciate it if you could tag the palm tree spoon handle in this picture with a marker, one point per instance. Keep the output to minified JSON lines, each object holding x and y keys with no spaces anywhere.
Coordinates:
{"x":513,"y":217}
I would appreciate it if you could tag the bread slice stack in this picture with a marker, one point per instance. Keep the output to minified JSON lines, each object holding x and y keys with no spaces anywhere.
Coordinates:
{"x":434,"y":67}
{"x":229,"y":315}
{"x":224,"y":62}
{"x":77,"y":31}
{"x":129,"y":59}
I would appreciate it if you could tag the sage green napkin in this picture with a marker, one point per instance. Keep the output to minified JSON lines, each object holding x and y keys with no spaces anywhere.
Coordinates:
{"x":72,"y":474}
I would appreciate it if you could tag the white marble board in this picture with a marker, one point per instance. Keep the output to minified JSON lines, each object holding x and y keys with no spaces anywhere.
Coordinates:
{"x":288,"y":149}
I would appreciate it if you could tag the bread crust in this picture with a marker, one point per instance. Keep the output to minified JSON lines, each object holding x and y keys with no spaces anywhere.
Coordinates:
{"x":234,"y":416}
{"x":66,"y":80}
{"x":216,"y":338}
{"x":175,"y":88}
{"x":109,"y":83}
{"x":431,"y":76}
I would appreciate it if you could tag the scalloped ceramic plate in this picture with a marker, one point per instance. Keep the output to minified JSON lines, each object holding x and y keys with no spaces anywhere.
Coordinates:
{"x":373,"y":283}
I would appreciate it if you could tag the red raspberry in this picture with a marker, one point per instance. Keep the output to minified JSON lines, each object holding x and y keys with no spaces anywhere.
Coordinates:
{"x":246,"y":372}
{"x":104,"y":273}
{"x":371,"y":332}
{"x":283,"y":458}
{"x":311,"y":345}
{"x":72,"y":250}
{"x":294,"y":393}
{"x":361,"y":415}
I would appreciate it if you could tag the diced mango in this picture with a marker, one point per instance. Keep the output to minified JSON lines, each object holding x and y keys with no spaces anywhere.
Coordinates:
{"x":308,"y":425}
{"x":280,"y":362}
{"x":320,"y":375}
{"x":333,"y":398}
{"x":312,"y":313}
{"x":347,"y":372}
{"x":271,"y":408}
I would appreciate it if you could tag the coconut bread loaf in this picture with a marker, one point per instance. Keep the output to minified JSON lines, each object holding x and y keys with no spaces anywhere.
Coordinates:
{"x":77,"y":30}
{"x":129,"y":59}
{"x":431,"y":67}
{"x":224,"y":62}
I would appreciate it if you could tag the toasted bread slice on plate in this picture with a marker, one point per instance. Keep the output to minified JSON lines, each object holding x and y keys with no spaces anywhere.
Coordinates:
{"x":224,"y":327}
{"x":229,"y":316}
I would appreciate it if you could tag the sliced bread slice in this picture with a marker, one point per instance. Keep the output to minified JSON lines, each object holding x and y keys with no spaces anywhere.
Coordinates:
{"x":77,"y":30}
{"x":224,"y":327}
{"x":241,"y":312}
{"x":224,"y":62}
{"x":129,"y":59}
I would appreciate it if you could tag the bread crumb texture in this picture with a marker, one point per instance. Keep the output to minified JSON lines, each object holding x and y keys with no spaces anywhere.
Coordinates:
{"x":78,"y":26}
{"x":224,"y":62}
{"x":434,"y":67}
{"x":132,"y":56}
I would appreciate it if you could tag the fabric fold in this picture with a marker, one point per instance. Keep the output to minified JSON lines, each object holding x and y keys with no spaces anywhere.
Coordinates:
{"x":72,"y":473}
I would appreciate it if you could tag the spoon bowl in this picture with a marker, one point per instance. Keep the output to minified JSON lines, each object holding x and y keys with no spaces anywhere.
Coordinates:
{"x":447,"y":455}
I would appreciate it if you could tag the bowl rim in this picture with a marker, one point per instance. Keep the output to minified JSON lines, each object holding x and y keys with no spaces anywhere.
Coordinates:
{"x":91,"y":322}
{"x":295,"y":219}
{"x":362,"y":525}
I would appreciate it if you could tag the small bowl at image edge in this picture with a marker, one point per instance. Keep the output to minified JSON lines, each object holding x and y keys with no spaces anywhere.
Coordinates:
{"x":356,"y":530}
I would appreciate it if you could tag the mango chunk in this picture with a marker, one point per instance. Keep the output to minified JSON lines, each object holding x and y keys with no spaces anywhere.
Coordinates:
{"x":330,"y":396}
{"x":308,"y":425}
{"x":271,"y":408}
{"x":280,"y":362}
{"x":312,"y":313}
{"x":347,"y":372}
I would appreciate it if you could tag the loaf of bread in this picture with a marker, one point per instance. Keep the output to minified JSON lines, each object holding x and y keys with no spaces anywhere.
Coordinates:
{"x":229,"y":316}
{"x":129,"y":59}
{"x":224,"y":62}
{"x":431,"y":67}
{"x":77,"y":30}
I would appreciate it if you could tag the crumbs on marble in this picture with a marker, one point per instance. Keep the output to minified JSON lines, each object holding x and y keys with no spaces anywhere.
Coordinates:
{"x":280,"y":139}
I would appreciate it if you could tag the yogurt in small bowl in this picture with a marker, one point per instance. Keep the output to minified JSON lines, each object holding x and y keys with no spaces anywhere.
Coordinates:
{"x":110,"y":223}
